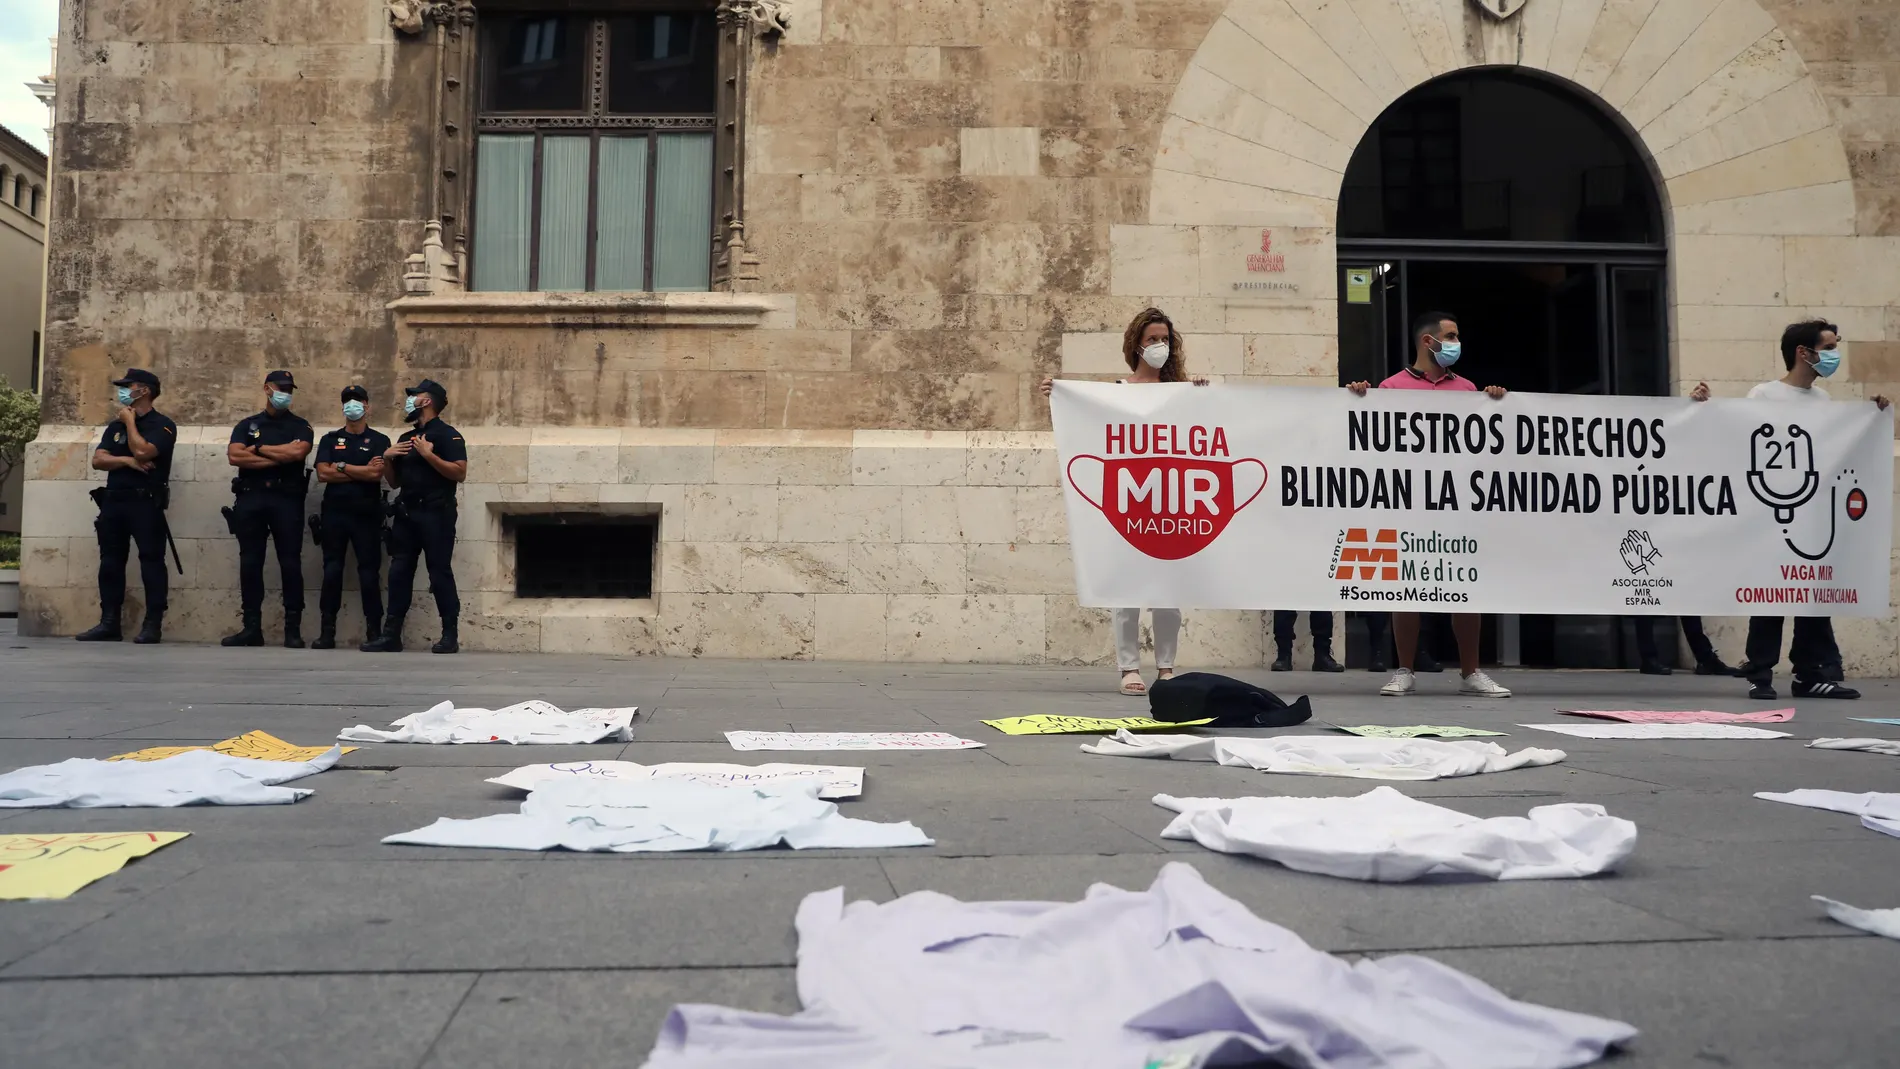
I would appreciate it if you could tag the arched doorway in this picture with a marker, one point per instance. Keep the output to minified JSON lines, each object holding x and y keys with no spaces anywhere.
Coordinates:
{"x":1515,"y":203}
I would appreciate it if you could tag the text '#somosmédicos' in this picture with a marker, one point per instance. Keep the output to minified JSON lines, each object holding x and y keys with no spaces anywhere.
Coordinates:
{"x":1638,"y":491}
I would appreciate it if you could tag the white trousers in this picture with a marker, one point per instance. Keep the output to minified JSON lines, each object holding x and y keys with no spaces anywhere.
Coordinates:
{"x":1167,"y":629}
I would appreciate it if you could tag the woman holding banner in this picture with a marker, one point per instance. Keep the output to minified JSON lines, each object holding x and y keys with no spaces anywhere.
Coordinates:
{"x":1154,"y":352}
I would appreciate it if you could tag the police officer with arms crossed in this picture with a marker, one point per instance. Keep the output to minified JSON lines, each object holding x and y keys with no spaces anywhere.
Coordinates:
{"x":136,"y":454}
{"x":350,"y":464}
{"x":425,"y":464}
{"x":268,"y":449}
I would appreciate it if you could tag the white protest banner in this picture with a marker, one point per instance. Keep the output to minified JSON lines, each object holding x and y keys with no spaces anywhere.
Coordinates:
{"x":1253,"y":497}
{"x":840,"y":781}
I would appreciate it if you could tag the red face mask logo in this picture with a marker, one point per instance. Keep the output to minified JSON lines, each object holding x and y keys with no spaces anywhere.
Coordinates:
{"x":1168,"y":507}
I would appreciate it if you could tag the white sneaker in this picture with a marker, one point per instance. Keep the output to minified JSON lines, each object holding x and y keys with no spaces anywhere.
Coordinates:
{"x":1403,"y":682}
{"x":1480,"y":685}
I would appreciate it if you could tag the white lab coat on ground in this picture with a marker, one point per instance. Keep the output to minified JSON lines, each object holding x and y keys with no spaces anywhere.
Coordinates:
{"x":534,"y":722}
{"x":1178,"y":976}
{"x":628,"y":816}
{"x":1880,"y":812}
{"x":1383,"y":835}
{"x":195,"y":777}
{"x":1350,"y":756}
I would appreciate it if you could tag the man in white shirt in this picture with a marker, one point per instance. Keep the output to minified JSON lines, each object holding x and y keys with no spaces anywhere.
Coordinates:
{"x":1811,"y":350}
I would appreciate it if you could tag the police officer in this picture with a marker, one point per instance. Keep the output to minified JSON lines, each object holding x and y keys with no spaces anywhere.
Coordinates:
{"x":350,"y":465}
{"x":268,"y":449}
{"x":425,"y":464}
{"x":136,"y":454}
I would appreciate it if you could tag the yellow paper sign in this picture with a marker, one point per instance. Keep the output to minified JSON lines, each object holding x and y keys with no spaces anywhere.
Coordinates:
{"x":54,"y":866}
{"x":1083,"y":725}
{"x":1358,"y":285}
{"x":257,"y":745}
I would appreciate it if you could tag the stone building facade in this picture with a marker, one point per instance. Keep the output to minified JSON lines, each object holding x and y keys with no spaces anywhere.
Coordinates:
{"x":23,"y":211}
{"x":921,"y":207}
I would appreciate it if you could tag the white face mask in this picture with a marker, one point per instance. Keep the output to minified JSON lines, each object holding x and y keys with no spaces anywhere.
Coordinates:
{"x":1156,"y":355}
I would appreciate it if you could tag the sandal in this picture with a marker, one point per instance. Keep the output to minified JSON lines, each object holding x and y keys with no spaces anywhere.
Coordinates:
{"x":1134,"y":687}
{"x":1165,"y":673}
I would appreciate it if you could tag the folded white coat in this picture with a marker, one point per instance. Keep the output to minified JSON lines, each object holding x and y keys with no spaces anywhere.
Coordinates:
{"x":1880,"y":812}
{"x":1177,"y":975}
{"x":195,"y":777}
{"x":1878,"y":921}
{"x":1350,"y":756}
{"x":534,"y":722}
{"x":1889,"y":747}
{"x":1385,"y":836}
{"x":630,"y":816}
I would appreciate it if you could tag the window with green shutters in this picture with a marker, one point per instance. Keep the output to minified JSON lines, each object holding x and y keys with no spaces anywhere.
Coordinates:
{"x":594,"y":152}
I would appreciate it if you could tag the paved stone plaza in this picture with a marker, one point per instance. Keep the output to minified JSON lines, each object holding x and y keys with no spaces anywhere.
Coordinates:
{"x":288,"y":936}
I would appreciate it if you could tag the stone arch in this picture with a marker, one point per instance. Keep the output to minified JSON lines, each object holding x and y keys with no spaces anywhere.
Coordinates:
{"x":1744,"y":150}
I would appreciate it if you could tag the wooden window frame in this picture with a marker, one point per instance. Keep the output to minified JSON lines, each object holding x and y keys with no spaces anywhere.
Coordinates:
{"x":597,"y":121}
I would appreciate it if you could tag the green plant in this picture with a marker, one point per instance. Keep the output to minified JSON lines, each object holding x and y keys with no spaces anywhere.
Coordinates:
{"x":19,"y":424}
{"x":9,"y":552}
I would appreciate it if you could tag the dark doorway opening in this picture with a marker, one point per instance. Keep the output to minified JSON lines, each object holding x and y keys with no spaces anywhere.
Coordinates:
{"x":1516,"y":205}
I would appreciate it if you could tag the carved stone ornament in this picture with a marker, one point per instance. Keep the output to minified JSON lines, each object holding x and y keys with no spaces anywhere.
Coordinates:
{"x":407,"y":16}
{"x":768,"y":17}
{"x":1500,"y":9}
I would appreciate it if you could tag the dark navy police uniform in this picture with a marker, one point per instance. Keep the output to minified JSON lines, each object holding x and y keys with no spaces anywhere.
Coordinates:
{"x":352,"y":521}
{"x":425,"y":522}
{"x":269,"y":509}
{"x":131,"y":509}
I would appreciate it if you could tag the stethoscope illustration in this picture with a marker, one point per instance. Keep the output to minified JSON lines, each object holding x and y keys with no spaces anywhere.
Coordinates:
{"x":1784,"y":503}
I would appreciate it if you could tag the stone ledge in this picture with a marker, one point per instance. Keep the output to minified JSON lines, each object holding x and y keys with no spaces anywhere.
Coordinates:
{"x":592,"y":310}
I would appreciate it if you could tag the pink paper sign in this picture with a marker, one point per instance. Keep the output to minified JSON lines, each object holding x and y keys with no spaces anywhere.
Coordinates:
{"x":1671,"y":716}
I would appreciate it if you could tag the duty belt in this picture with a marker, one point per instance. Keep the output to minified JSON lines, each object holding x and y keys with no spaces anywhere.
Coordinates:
{"x":277,"y":484}
{"x":134,"y":493}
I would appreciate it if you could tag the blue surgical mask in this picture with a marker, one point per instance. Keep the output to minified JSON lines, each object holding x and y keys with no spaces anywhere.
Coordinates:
{"x":353,"y":410}
{"x":1827,"y":362}
{"x":279,"y":400}
{"x":1448,"y":353}
{"x":125,"y":395}
{"x":409,"y":405}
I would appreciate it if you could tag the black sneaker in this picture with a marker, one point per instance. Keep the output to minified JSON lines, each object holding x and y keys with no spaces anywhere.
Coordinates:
{"x":1323,"y":662}
{"x":1655,"y":668}
{"x":1763,"y":691}
{"x":1282,"y":663}
{"x":1714,"y":667}
{"x":1824,"y":689}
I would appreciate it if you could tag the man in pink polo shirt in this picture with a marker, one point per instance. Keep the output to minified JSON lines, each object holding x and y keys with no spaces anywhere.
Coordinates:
{"x":1435,"y":337}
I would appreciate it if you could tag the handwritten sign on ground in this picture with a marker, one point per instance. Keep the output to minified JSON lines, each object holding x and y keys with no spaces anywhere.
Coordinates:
{"x":1415,"y":731}
{"x":1659,"y":731}
{"x":848,"y":740}
{"x":1046,"y":724}
{"x":838,"y":781}
{"x":1877,"y":720}
{"x":1676,"y":716}
{"x":257,"y":745}
{"x":54,"y":866}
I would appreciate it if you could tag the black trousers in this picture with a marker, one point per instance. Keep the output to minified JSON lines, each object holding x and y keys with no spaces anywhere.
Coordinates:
{"x":1646,"y":646}
{"x":419,"y":531}
{"x":358,"y":530}
{"x":121,"y":523}
{"x":261,"y":518}
{"x":1811,"y":653}
{"x":1321,"y":624}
